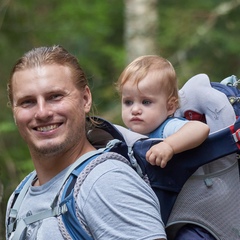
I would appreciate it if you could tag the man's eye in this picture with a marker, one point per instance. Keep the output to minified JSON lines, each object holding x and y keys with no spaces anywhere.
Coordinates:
{"x":146,"y":102}
{"x":26,"y":103}
{"x":55,"y":97}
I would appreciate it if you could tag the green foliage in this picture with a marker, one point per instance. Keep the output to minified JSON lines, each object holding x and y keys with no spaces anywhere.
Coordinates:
{"x":200,"y":37}
{"x":14,"y":162}
{"x":7,"y":127}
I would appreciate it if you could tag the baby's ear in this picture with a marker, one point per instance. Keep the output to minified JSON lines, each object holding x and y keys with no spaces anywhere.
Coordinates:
{"x":172,"y":105}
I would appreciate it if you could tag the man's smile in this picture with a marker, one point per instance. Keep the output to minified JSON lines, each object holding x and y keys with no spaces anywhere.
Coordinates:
{"x":47,"y":128}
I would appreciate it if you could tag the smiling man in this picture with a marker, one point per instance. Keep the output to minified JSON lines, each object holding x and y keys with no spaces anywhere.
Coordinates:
{"x":50,"y":98}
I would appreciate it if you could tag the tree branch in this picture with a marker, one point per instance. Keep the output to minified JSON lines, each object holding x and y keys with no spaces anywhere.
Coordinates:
{"x":222,"y":9}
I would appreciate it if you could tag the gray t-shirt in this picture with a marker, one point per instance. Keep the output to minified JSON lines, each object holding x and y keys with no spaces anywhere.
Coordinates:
{"x":114,"y":203}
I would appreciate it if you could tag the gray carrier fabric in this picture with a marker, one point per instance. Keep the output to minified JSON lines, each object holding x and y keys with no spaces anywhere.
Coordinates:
{"x":210,"y":199}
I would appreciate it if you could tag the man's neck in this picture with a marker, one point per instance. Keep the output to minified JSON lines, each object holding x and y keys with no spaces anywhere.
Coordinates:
{"x":48,"y":166}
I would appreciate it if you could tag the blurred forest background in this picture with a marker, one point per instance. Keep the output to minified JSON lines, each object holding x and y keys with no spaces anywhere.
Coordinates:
{"x":105,"y":35}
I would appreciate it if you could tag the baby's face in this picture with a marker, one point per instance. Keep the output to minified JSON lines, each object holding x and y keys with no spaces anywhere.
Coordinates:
{"x":144,"y":106}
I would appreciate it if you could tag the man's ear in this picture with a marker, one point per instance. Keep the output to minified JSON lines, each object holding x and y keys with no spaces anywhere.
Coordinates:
{"x":87,"y":98}
{"x":14,"y":120}
{"x":172,"y":105}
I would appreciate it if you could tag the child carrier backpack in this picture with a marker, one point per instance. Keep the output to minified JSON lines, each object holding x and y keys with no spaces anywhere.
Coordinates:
{"x":130,"y":148}
{"x":210,"y":198}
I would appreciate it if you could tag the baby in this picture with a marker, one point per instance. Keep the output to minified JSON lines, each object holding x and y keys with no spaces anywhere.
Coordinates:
{"x":149,"y":96}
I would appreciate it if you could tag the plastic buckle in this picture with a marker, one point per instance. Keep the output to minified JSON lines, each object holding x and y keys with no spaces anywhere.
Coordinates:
{"x":236,"y":136}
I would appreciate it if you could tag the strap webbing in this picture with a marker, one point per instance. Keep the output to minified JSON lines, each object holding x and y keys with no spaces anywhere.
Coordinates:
{"x":18,"y":202}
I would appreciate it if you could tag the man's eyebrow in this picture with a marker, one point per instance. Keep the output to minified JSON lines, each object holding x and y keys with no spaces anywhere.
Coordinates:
{"x":19,"y":97}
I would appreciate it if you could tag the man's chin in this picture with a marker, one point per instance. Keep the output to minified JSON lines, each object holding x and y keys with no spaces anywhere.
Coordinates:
{"x":49,"y":150}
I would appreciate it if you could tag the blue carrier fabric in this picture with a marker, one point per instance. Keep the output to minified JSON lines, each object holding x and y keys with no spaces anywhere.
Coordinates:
{"x":166,"y":182}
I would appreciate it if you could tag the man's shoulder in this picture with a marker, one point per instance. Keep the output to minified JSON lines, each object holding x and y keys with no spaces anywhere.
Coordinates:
{"x":113,"y":175}
{"x":109,"y":168}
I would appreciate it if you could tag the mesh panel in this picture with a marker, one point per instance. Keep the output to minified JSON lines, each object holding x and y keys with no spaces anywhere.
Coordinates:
{"x":212,"y":201}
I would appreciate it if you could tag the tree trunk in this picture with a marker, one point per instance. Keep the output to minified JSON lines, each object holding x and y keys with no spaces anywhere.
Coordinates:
{"x":141,"y":24}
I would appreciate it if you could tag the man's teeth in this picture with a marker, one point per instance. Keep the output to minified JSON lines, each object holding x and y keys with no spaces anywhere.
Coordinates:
{"x":47,"y":128}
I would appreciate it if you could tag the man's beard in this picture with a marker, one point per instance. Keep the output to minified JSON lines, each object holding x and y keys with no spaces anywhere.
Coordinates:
{"x":49,"y":150}
{"x":58,"y":148}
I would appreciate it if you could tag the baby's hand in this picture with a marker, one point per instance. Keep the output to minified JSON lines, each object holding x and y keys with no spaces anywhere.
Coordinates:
{"x":159,"y":154}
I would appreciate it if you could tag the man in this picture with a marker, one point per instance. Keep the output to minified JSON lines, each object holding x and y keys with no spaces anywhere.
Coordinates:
{"x":50,"y":99}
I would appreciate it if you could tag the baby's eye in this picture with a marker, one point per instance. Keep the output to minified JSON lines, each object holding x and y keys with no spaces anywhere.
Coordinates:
{"x":128,"y":102}
{"x":146,"y":102}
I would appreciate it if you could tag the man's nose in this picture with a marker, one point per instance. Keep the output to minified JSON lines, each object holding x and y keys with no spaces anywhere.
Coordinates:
{"x":43,"y":110}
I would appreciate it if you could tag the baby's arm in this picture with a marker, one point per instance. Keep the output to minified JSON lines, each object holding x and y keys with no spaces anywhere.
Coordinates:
{"x":191,"y":135}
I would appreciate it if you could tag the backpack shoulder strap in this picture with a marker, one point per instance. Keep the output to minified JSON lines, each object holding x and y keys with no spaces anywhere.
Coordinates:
{"x":18,"y":225}
{"x":70,"y":223}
